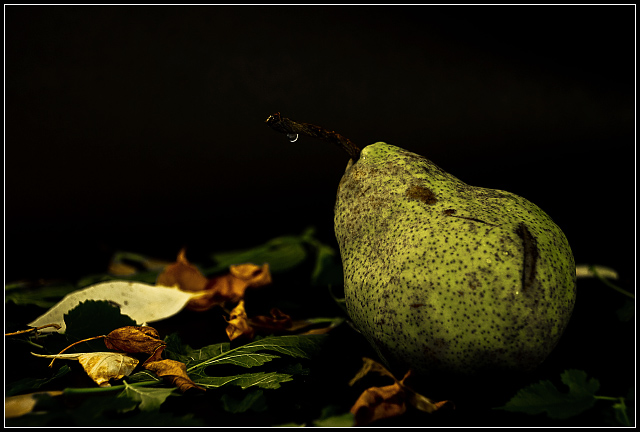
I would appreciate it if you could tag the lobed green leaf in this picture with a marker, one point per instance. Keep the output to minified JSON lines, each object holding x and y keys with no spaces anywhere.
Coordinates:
{"x":149,"y":399}
{"x":545,"y":396}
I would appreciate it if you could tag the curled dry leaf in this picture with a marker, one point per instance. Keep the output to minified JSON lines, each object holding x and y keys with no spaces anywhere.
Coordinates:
{"x":370,"y":366}
{"x":218,"y":290}
{"x":101,"y":366}
{"x":182,"y":274}
{"x":232,"y":286}
{"x":135,"y":339}
{"x":173,"y":371}
{"x":255,"y":276}
{"x":377,"y":403}
{"x":238,"y":325}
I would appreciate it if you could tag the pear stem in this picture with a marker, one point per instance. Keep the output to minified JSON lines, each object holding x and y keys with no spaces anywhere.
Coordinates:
{"x":288,"y":126}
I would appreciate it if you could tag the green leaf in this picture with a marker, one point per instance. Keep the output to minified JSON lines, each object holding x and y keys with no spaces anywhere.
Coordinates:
{"x":545,"y":397}
{"x":149,"y":399}
{"x":282,"y":253}
{"x":250,"y":355}
{"x":190,"y":356}
{"x":29,"y":384}
{"x":94,"y":318}
{"x":254,"y":401}
{"x":265,"y":380}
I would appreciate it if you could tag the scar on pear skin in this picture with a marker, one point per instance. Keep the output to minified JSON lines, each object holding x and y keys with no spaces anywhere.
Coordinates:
{"x":451,"y":212}
{"x":421,"y":193}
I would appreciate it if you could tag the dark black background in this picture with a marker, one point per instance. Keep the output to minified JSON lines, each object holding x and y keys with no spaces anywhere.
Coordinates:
{"x":142,"y":128}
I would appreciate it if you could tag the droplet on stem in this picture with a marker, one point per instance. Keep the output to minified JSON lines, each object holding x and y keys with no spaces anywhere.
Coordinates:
{"x":292,"y":137}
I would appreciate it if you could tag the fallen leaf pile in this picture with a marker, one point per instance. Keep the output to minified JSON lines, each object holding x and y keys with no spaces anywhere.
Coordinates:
{"x":240,"y":325}
{"x":377,"y":403}
{"x":218,"y":290}
{"x":180,"y":285}
{"x":191,"y":290}
{"x":104,"y":366}
{"x":231,"y":288}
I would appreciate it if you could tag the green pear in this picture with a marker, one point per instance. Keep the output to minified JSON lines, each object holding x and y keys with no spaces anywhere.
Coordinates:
{"x":441,"y":276}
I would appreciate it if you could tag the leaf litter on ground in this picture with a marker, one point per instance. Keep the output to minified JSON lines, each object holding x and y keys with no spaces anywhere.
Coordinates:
{"x":282,"y":254}
{"x":545,"y":397}
{"x":378,"y":403}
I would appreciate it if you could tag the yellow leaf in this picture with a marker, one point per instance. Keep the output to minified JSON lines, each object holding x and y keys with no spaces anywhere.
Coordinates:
{"x":101,"y":366}
{"x":104,"y":366}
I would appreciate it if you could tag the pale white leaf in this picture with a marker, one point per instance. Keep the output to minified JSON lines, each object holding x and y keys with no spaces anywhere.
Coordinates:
{"x":142,"y":302}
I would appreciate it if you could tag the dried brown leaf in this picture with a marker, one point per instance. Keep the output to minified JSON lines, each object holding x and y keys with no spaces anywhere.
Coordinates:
{"x":173,"y":371}
{"x":136,"y":339}
{"x":377,"y":403}
{"x":255,"y":276}
{"x":231,"y":286}
{"x":419,"y":401}
{"x":370,"y":366}
{"x":238,"y":324}
{"x":183,"y":274}
{"x":278,"y":321}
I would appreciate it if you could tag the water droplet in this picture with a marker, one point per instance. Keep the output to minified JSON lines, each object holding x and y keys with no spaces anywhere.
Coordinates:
{"x":505,"y":252}
{"x":488,"y":261}
{"x":292,"y":137}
